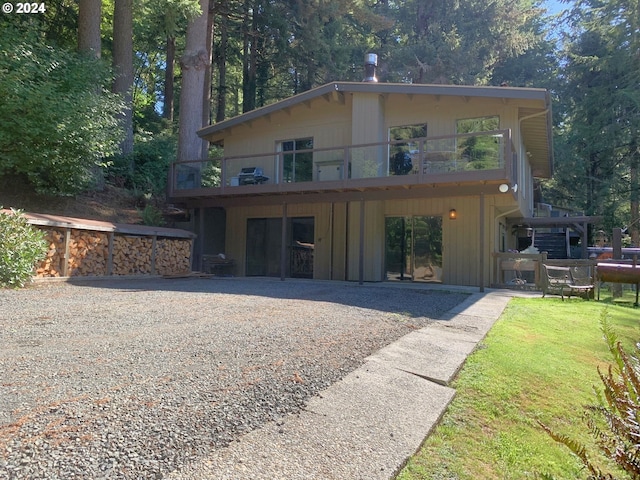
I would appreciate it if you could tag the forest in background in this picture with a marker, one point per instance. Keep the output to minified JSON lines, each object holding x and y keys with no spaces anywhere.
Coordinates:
{"x":91,"y":91}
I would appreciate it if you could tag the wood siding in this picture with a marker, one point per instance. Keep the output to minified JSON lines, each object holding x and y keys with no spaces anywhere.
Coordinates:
{"x":337,"y":235}
{"x":338,"y":119}
{"x":328,"y":122}
{"x":364,"y":118}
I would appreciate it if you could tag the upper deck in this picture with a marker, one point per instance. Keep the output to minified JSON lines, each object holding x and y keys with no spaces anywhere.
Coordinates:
{"x":462,"y":159}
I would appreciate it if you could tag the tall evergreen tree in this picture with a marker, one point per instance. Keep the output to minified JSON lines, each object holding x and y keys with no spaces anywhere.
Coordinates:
{"x":89,"y":17}
{"x":457,"y":41}
{"x":123,"y":66}
{"x":193,"y":63}
{"x":600,"y":104}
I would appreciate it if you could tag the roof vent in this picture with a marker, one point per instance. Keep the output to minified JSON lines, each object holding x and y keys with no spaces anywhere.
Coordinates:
{"x":370,"y":63}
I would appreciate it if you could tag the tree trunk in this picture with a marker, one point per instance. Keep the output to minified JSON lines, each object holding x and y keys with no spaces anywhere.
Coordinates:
{"x":194,"y":65}
{"x":206,"y":93}
{"x":249,"y":60}
{"x":221,"y":107}
{"x":89,"y":39}
{"x":123,"y":66}
{"x":167,"y":110}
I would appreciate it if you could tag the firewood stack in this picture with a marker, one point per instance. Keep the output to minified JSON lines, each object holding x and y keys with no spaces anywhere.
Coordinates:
{"x":173,"y":256}
{"x":131,"y":255}
{"x":51,"y":266}
{"x":88,"y":254}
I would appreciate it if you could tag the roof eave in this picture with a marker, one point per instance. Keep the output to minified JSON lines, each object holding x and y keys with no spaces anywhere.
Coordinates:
{"x":382,"y":88}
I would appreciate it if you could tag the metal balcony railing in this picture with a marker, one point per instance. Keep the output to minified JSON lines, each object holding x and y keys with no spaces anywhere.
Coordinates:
{"x":421,"y":160}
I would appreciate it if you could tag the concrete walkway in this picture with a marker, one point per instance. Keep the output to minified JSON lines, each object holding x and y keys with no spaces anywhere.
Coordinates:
{"x":367,"y":425}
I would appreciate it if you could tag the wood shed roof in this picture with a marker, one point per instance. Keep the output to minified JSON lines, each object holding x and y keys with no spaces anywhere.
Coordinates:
{"x":48,"y":220}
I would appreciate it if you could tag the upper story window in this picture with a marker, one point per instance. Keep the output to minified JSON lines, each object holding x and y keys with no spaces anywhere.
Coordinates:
{"x":482,"y":152}
{"x":297,"y":160}
{"x":479,"y":124}
{"x":404,"y":149}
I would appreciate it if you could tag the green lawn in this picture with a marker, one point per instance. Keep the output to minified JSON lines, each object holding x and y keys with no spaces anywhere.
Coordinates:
{"x":538,"y":363}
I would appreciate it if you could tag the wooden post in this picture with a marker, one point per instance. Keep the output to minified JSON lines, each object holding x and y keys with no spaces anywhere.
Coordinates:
{"x":482,"y":243}
{"x":154,"y":245}
{"x":616,"y":247}
{"x":283,"y":243}
{"x":110,"y":255}
{"x":192,"y":246}
{"x":201,"y":240}
{"x":331,"y":218}
{"x":361,"y":252}
{"x":67,"y":241}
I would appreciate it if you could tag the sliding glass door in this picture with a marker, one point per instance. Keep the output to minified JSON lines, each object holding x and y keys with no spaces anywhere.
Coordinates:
{"x":413,"y":248}
{"x":264,"y":247}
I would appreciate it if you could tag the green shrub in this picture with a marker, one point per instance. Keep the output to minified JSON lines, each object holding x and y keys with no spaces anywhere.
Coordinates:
{"x":21,"y":247}
{"x":614,"y":422}
{"x":147,"y":168}
{"x":152,"y":216}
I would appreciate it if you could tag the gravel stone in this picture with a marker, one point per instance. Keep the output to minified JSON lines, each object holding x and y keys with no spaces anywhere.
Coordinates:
{"x":140,"y":378}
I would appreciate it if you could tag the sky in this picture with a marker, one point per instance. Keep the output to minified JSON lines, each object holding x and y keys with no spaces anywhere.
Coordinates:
{"x":554,"y":6}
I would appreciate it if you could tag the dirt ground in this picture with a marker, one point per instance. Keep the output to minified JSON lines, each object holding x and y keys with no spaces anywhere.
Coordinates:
{"x":111,"y":204}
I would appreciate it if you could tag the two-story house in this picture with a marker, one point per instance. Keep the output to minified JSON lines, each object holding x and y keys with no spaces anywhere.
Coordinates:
{"x":367,"y":181}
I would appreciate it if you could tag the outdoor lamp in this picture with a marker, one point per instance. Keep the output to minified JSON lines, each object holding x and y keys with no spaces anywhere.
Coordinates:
{"x":504,"y":188}
{"x":453,"y":214}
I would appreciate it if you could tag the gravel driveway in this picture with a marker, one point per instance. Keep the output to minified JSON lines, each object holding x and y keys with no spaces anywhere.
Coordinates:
{"x":137,"y":378}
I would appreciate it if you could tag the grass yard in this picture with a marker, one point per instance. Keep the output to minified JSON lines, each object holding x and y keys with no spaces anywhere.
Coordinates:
{"x":538,"y":363}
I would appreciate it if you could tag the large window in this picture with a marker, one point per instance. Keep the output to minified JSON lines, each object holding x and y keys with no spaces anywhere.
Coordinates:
{"x":482,"y":152}
{"x":404,"y":149}
{"x":298,"y":160}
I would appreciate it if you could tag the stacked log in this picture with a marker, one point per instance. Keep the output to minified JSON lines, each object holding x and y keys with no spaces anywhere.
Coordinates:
{"x":173,"y":256}
{"x":132,"y":255}
{"x":88,"y":253}
{"x":51,"y":266}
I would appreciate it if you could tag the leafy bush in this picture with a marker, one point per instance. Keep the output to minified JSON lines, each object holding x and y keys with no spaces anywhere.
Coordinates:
{"x":21,"y":247}
{"x":59,"y":118}
{"x":615,"y":421}
{"x":146,"y":170}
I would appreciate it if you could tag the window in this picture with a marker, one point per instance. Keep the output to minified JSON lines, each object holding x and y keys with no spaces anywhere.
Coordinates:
{"x":482,"y":152}
{"x":480,"y":124}
{"x":298,"y":161}
{"x":404,"y":155}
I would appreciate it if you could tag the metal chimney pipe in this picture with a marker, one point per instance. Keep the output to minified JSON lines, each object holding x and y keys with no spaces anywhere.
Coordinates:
{"x":370,"y":64}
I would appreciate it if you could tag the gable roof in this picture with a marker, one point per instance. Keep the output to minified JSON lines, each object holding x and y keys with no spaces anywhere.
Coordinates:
{"x":535,"y":121}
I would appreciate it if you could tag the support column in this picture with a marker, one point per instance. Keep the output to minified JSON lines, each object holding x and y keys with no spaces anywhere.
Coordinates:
{"x":67,"y":254}
{"x":112,"y":237}
{"x":201,"y":239}
{"x":616,"y":247}
{"x":154,"y":248}
{"x":482,"y":243}
{"x":283,"y":243}
{"x":361,"y":252}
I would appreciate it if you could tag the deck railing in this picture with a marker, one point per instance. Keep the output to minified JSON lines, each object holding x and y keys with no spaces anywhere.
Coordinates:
{"x":420,"y":158}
